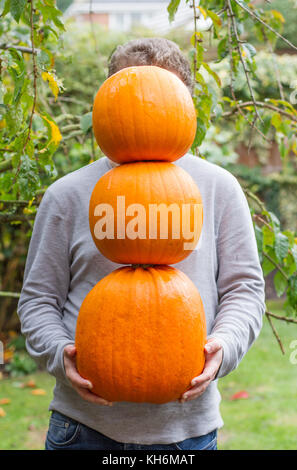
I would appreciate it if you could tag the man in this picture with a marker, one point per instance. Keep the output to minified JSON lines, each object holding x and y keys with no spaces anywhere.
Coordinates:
{"x":63,"y":265}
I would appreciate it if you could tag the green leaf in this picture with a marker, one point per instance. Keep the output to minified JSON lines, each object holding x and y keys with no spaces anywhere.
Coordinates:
{"x":249,"y":49}
{"x":86,"y":122}
{"x":292,"y":291}
{"x":16,"y":8}
{"x":294,"y":253}
{"x":276,"y":120}
{"x":259,"y":240}
{"x":212,"y":73}
{"x":222,"y":49}
{"x":28,"y":179}
{"x":266,"y":124}
{"x":280,"y":283}
{"x":281,"y":245}
{"x":200,"y":133}
{"x":6,"y":8}
{"x":215,"y":18}
{"x":172,"y":9}
{"x":268,"y":236}
{"x":274,"y":220}
{"x":267,"y":266}
{"x":289,"y":265}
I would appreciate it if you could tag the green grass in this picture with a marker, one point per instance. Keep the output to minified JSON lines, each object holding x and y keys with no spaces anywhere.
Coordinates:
{"x":266,"y":420}
{"x":26,"y":420}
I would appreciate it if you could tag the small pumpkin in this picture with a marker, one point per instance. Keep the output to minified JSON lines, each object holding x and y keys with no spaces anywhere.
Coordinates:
{"x":140,"y":335}
{"x":144,"y":113}
{"x":146,"y":213}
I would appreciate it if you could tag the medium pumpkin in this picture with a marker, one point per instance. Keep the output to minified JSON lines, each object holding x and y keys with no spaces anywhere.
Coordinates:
{"x":144,"y":113}
{"x":146,"y":213}
{"x":140,"y":335}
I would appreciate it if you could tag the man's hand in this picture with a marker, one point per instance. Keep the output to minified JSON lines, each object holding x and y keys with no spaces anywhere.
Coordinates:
{"x":213,"y":359}
{"x":80,"y":385}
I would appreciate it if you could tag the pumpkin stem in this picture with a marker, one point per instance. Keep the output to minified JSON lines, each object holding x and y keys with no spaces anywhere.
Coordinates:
{"x":143,"y":266}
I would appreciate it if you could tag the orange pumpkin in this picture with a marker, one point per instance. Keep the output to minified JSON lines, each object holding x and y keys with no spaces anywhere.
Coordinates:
{"x":146,"y":213}
{"x":140,"y":335}
{"x":144,"y":113}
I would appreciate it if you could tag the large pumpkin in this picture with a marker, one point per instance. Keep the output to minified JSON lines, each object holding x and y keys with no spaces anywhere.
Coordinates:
{"x":144,"y":113}
{"x":140,"y":335}
{"x":146,"y":213}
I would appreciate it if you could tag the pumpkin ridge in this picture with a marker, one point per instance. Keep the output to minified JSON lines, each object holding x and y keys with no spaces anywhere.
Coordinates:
{"x":130,"y":106}
{"x":165,"y":247}
{"x":177,"y":133}
{"x":160,"y":82}
{"x":147,"y":143}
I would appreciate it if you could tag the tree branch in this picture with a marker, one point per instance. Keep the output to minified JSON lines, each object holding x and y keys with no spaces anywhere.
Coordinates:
{"x":253,"y":15}
{"x":28,"y":50}
{"x":279,"y":317}
{"x":230,"y":48}
{"x":260,"y":104}
{"x":275,"y":333}
{"x":9,"y":294}
{"x":246,"y":71}
{"x":16,"y":217}
{"x":34,"y":76}
{"x":18,"y":202}
{"x":275,"y":264}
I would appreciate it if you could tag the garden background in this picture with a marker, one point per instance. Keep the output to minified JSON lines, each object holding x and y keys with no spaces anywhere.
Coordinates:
{"x":245,"y":96}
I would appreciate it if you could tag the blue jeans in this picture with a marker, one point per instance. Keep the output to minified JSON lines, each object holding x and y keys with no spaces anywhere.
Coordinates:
{"x":65,"y":433}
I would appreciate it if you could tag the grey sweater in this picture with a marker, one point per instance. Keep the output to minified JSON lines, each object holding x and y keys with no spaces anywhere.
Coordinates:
{"x":63,"y":265}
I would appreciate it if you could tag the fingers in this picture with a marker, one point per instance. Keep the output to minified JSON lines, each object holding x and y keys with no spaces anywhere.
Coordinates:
{"x":91,"y":397}
{"x":213,"y":359}
{"x":213,"y":345}
{"x":82,"y":386}
{"x":194,"y":392}
{"x":70,"y":350}
{"x":77,"y":380}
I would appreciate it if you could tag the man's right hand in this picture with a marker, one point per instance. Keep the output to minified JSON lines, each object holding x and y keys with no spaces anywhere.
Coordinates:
{"x":80,"y":385}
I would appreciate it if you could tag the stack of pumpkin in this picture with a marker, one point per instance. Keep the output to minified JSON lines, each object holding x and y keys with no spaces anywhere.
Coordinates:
{"x":141,"y":330}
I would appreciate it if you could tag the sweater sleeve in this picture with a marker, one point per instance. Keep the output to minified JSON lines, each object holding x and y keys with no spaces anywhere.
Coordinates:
{"x":45,"y":287}
{"x":240,"y":282}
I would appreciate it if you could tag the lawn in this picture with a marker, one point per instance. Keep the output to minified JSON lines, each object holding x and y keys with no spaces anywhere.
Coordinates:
{"x":265,"y":420}
{"x":268,"y":418}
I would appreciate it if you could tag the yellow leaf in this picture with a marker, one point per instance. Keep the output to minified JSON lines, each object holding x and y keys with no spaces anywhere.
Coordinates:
{"x":53,"y":83}
{"x":278,"y":16}
{"x":30,"y":383}
{"x":56,"y":135}
{"x":203,"y":12}
{"x":12,"y":334}
{"x":38,"y":391}
{"x":8,"y":354}
{"x":4,"y":401}
{"x":2,"y":413}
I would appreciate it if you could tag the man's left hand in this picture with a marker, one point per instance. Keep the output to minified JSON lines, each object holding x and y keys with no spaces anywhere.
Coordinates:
{"x":213,"y":359}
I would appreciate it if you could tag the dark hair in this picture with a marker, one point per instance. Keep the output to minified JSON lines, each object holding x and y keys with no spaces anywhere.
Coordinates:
{"x":152,"y":51}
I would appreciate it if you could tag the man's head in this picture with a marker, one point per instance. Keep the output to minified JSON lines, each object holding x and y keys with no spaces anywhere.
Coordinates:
{"x":152,"y":51}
